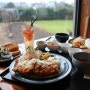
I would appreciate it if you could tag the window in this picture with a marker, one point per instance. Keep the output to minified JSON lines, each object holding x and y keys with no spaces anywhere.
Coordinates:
{"x":77,"y":17}
{"x":53,"y":16}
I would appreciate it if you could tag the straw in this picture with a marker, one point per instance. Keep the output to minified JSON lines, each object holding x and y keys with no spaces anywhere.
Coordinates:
{"x":32,"y":22}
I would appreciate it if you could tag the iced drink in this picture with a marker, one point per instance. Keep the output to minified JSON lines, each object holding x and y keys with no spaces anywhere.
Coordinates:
{"x":28,"y":33}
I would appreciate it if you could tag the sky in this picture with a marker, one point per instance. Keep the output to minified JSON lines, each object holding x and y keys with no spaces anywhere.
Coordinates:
{"x":32,"y":1}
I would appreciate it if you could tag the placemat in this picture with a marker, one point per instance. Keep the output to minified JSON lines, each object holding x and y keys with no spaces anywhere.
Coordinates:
{"x":63,"y":85}
{"x":7,"y":76}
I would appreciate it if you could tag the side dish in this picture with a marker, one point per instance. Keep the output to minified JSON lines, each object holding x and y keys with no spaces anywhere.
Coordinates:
{"x":9,"y":50}
{"x":13,"y":49}
{"x":53,"y":46}
{"x":41,"y":45}
{"x":78,"y":42}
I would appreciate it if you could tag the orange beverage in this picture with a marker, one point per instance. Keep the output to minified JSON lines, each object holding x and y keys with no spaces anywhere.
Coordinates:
{"x":28,"y":33}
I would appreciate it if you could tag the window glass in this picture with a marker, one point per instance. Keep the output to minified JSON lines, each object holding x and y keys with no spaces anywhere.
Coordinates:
{"x":53,"y":16}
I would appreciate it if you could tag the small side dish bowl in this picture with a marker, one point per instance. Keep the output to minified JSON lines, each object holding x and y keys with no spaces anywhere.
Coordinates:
{"x":82,"y":61}
{"x":71,"y":51}
{"x":53,"y":46}
{"x":6,"y":55}
{"x":61,"y":37}
{"x":65,"y":46}
{"x":41,"y":45}
{"x":87,"y":43}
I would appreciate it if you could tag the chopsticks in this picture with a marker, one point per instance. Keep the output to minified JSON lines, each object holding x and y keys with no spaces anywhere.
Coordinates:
{"x":4,"y":72}
{"x":48,"y":38}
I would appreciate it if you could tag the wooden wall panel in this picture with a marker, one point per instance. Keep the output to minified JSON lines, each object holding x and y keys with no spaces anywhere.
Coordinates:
{"x":84,"y":23}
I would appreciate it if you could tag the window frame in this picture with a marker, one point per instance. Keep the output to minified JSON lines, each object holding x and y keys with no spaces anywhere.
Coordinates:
{"x":77,"y":17}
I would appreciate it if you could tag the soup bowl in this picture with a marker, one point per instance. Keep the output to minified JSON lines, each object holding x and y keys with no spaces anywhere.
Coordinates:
{"x":82,"y":61}
{"x":61,"y":37}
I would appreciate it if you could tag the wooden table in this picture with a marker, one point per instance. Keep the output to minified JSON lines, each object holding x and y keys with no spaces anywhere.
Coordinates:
{"x":5,"y":85}
{"x":73,"y":82}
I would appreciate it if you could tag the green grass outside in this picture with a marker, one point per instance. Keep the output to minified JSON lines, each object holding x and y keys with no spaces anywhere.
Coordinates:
{"x":54,"y":26}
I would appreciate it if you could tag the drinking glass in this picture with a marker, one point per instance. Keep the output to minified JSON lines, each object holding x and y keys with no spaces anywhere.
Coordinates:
{"x":28,"y":34}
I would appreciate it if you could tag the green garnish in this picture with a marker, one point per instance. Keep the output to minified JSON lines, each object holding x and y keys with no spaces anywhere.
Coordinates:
{"x":3,"y":48}
{"x":29,"y":48}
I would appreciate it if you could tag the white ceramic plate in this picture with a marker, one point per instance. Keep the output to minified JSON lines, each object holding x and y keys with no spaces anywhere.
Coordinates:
{"x":65,"y":65}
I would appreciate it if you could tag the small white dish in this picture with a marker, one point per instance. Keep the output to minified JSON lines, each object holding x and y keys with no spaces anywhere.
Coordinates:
{"x":65,"y":46}
{"x":53,"y":46}
{"x":41,"y":45}
{"x":87,"y":43}
{"x":71,"y":51}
